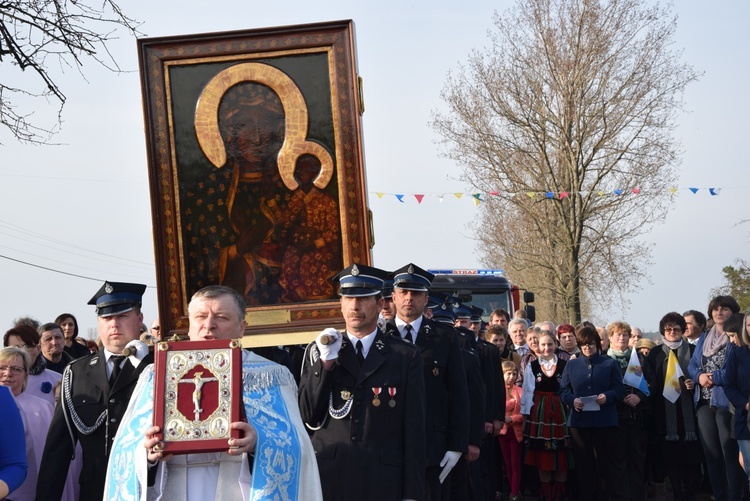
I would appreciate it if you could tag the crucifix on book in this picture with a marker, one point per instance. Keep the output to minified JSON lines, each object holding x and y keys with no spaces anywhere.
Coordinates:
{"x":198,"y":380}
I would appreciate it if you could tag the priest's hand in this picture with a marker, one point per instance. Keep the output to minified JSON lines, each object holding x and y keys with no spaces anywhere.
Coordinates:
{"x":154,"y":446}
{"x":239,"y":446}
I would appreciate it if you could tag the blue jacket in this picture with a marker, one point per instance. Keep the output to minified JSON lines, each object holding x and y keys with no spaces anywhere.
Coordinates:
{"x":736,"y":381}
{"x":583,"y":377}
{"x":696,"y":368}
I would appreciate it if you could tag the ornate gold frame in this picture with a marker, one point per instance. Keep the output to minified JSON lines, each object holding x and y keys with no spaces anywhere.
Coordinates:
{"x":183,"y":80}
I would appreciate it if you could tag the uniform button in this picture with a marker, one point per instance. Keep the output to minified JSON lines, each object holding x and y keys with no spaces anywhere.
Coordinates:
{"x":111,"y":400}
{"x":356,"y":421}
{"x":354,"y":438}
{"x":316,"y":374}
{"x":113,"y":420}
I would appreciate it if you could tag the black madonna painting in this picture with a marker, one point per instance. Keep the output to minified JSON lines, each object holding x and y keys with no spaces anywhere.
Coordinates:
{"x":256,"y":168}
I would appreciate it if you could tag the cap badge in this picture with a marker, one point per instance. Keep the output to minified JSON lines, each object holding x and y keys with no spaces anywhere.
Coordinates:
{"x":410,"y":270}
{"x":108,"y":289}
{"x":355,"y":270}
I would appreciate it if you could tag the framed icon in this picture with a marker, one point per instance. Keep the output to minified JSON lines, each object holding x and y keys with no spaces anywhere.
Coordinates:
{"x":256,"y":170}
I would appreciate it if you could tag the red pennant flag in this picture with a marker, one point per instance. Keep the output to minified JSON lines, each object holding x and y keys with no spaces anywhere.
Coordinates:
{"x":419,"y":198}
{"x":494,"y":193}
{"x":563,"y":194}
{"x":636,"y":191}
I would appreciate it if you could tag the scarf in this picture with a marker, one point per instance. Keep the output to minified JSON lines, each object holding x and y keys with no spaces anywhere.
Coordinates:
{"x":685,"y":401}
{"x":621,"y":357}
{"x":673,"y":345}
{"x":715,"y":342}
{"x":38,"y":367}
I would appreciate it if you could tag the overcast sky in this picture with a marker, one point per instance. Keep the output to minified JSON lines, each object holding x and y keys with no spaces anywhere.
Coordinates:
{"x":83,"y":207}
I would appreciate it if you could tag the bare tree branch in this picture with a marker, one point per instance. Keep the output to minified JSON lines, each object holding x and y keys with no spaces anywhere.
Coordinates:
{"x":40,"y":36}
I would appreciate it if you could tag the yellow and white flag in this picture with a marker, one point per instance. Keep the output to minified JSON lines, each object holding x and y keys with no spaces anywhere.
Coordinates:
{"x":672,"y":379}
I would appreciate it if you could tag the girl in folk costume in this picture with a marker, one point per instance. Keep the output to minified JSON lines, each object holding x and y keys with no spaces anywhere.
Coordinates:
{"x":511,"y":434}
{"x":545,"y":430}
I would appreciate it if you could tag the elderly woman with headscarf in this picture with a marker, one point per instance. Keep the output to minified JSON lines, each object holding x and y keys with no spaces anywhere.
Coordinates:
{"x":41,"y":380}
{"x":36,"y":415}
{"x":712,"y":406}
{"x":674,"y":423}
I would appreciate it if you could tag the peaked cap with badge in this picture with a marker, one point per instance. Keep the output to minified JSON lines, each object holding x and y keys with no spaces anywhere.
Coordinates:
{"x":412,"y":278}
{"x":117,"y":297}
{"x":359,"y":280}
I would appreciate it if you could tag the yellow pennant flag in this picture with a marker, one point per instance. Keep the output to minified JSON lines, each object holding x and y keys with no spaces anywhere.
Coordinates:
{"x":672,"y":379}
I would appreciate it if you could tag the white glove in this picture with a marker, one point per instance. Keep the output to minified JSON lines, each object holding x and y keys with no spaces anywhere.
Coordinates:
{"x":448,"y":462}
{"x":135,"y":350}
{"x":329,"y":344}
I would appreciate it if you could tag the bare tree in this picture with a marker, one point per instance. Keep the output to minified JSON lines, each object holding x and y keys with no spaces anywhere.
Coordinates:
{"x":41,"y":38}
{"x":573,"y":101}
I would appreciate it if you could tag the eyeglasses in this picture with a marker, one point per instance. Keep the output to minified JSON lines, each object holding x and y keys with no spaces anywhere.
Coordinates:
{"x":672,"y":329}
{"x":13,"y":369}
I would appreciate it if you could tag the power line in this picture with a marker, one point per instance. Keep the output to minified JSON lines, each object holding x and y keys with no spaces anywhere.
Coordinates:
{"x":59,"y":271}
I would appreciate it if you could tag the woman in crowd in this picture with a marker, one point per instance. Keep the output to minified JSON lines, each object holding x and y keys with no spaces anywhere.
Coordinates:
{"x":736,"y":382}
{"x":12,"y":450}
{"x":644,"y":346}
{"x":674,"y":424}
{"x":545,"y":430}
{"x":498,"y":335}
{"x":532,"y":341}
{"x":69,"y":326}
{"x":631,"y":436}
{"x":591,"y":386}
{"x":36,"y":415}
{"x":511,"y":434}
{"x":712,"y":406}
{"x":41,"y":381}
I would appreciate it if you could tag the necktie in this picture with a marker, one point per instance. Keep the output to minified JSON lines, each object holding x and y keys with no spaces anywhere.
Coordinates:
{"x":117,"y":361}
{"x":360,"y":353}
{"x":408,"y":335}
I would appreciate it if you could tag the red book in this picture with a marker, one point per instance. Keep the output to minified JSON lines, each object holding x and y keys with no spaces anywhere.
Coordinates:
{"x":197,"y":394}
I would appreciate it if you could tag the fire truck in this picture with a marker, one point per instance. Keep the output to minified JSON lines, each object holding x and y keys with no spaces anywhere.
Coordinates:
{"x":489,"y":289}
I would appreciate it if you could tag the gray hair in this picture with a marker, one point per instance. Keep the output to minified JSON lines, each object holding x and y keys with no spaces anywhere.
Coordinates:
{"x":518,"y":321}
{"x":217,"y":291}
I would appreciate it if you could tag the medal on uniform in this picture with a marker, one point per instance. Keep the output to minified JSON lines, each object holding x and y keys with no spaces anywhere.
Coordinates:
{"x":435,"y":370}
{"x":346,"y":395}
{"x":376,"y":400}
{"x":392,"y":393}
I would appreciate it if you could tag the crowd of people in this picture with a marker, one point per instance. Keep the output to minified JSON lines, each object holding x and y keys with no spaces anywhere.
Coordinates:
{"x":416,"y":399}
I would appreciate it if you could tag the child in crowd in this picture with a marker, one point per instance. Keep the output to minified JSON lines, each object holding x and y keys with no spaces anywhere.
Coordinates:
{"x":545,"y":430}
{"x":511,"y":434}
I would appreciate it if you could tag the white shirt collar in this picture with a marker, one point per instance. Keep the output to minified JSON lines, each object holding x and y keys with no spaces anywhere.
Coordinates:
{"x":415,"y":325}
{"x":366,"y":341}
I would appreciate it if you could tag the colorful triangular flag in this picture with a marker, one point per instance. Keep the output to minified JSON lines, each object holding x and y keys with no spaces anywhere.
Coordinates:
{"x":694,"y":190}
{"x":714,"y":191}
{"x":419,"y":198}
{"x":400,"y":198}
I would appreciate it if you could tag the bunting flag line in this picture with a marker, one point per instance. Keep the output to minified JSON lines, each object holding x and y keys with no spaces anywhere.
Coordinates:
{"x":483,"y":197}
{"x":672,"y":379}
{"x":634,"y":374}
